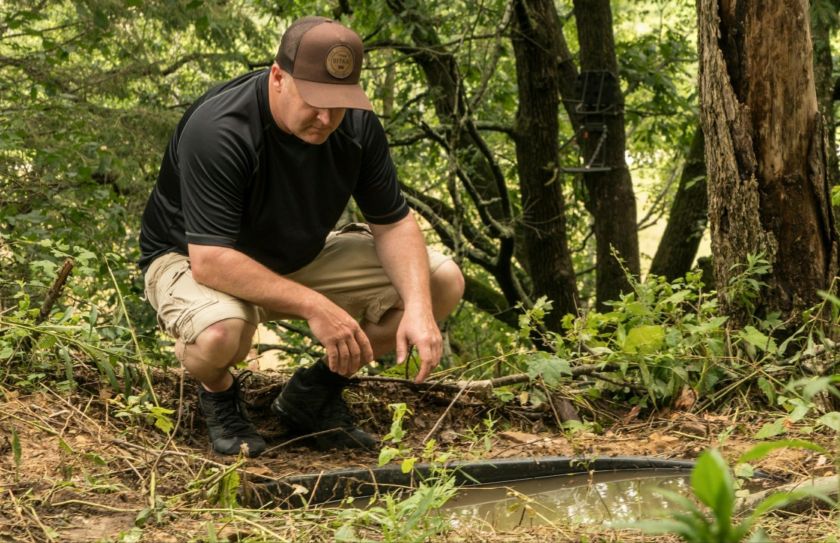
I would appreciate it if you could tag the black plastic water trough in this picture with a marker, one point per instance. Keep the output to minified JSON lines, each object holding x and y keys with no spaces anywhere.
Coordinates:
{"x":329,"y":486}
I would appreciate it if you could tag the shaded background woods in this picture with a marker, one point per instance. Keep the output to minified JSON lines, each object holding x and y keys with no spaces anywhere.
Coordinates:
{"x":537,"y":139}
{"x":575,"y":156}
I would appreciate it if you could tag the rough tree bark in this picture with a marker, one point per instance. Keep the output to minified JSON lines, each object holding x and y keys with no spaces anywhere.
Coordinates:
{"x":688,"y":218}
{"x":824,"y":20}
{"x":611,"y":199}
{"x":535,"y":27}
{"x":766,"y":151}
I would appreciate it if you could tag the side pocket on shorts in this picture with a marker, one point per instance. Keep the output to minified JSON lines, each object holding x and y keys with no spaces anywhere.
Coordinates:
{"x":184,"y":326}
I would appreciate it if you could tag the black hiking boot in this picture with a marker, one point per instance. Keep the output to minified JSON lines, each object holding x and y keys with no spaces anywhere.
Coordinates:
{"x":311,"y":403}
{"x":228,"y":424}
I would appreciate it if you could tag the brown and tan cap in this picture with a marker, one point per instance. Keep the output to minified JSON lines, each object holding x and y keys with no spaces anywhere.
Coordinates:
{"x":325,"y":59}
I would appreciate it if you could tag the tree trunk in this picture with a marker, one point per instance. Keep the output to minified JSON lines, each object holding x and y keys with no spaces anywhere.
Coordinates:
{"x":766,"y":152}
{"x":823,"y":21}
{"x":535,"y":27}
{"x":610,"y":194}
{"x":688,"y":218}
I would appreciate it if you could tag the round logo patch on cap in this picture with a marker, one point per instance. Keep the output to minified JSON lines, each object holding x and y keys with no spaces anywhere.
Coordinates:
{"x":340,"y":61}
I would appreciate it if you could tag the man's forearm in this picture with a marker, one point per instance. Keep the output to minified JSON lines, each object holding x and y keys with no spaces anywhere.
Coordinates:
{"x":402,"y":252}
{"x":239,"y":275}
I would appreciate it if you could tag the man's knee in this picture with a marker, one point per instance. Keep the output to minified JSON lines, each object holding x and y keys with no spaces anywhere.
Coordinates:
{"x":227,"y":341}
{"x":447,"y":288}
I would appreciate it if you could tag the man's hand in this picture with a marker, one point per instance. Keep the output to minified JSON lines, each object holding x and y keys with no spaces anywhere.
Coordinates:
{"x":419,"y":328}
{"x":348,"y":348}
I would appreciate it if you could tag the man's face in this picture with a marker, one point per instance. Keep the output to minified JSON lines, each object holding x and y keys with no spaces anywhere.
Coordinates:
{"x":293,"y":115}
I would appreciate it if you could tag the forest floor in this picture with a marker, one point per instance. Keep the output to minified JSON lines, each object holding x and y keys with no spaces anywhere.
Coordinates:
{"x":72,"y":470}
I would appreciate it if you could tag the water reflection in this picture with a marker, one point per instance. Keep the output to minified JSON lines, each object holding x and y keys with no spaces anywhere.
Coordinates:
{"x":575,"y":499}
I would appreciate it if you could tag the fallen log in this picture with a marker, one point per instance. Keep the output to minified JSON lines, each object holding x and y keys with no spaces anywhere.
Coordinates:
{"x":817,"y":489}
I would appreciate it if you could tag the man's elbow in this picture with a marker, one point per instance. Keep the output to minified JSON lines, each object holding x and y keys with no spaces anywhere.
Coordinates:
{"x":203,"y":260}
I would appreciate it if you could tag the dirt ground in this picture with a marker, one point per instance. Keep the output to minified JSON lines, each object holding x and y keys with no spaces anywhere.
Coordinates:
{"x":77,"y":467}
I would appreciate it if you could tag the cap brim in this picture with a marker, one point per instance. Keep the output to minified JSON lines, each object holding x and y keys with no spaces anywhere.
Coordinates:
{"x":331,"y":95}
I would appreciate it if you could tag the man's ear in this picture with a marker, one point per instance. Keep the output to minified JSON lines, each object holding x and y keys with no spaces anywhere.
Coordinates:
{"x":277,"y":76}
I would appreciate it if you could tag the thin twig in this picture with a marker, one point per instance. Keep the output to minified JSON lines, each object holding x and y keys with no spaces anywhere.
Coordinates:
{"x":177,"y":422}
{"x":442,"y":417}
{"x":557,"y":418}
{"x":122,"y":443}
{"x":55,"y":291}
{"x":134,"y":339}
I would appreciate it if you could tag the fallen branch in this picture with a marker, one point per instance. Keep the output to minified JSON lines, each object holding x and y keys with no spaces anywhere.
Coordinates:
{"x":55,"y":291}
{"x":482,"y":385}
{"x":827,"y":487}
{"x":436,"y":427}
{"x":264,"y":347}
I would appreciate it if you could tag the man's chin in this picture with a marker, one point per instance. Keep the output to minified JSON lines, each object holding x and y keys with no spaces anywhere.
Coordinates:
{"x":314,"y":139}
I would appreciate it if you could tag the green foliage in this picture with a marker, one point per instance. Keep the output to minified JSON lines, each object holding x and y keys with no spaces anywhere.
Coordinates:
{"x":395,"y":436}
{"x":744,"y":288}
{"x":797,"y":399}
{"x":136,"y":409}
{"x":663,"y":337}
{"x":412,"y":518}
{"x":714,"y":486}
{"x":17,"y":453}
{"x":667,"y":334}
{"x":551,"y":369}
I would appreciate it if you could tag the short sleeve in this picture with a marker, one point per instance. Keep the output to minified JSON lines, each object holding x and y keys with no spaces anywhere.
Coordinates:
{"x":378,"y":192}
{"x":215,"y":166}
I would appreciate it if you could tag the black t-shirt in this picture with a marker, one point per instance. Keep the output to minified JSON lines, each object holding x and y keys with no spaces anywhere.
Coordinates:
{"x":231,"y":177}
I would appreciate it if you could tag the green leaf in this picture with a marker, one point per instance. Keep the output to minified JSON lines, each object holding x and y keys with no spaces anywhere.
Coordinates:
{"x":228,"y":489}
{"x":64,"y":447}
{"x":763,"y":449}
{"x":760,"y":536}
{"x":815,"y":386}
{"x":830,"y":297}
{"x":16,"y":450}
{"x":387,"y":454}
{"x":675,"y":298}
{"x":644,"y":339}
{"x":771,"y":429}
{"x":832,"y":420}
{"x":767,"y":388}
{"x":143,"y":517}
{"x":781,"y":499}
{"x":408,"y":464}
{"x":754,"y":337}
{"x":345,"y":534}
{"x":96,"y":459}
{"x":504,"y":394}
{"x":714,"y":486}
{"x":551,"y":368}
{"x":164,"y":424}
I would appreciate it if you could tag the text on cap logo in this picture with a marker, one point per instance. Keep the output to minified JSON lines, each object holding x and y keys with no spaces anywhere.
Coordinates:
{"x":340,"y":61}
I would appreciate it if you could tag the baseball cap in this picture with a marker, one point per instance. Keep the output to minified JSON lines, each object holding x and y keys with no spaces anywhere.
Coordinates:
{"x":325,"y":59}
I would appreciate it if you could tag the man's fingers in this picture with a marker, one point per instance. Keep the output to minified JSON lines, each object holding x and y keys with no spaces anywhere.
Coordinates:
{"x":332,"y":357}
{"x":366,"y":349}
{"x":402,"y":348}
{"x":344,"y":362}
{"x":428,"y":361}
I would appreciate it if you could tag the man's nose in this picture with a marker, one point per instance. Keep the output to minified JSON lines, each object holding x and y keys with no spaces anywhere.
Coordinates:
{"x":324,"y":116}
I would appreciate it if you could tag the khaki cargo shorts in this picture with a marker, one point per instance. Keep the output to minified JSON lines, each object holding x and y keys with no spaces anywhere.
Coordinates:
{"x":347,"y":271}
